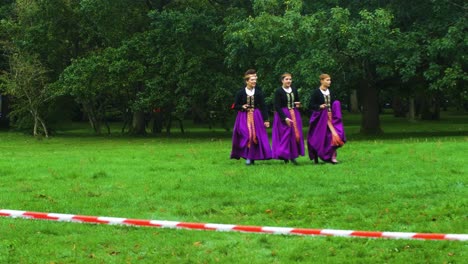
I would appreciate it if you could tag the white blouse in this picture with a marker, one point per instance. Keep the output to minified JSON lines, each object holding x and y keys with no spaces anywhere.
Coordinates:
{"x":287,"y":90}
{"x":249,"y":92}
{"x":326,"y":92}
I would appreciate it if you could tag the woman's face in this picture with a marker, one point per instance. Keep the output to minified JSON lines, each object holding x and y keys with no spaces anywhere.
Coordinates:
{"x":326,"y":82}
{"x":287,"y":80}
{"x":252,"y":81}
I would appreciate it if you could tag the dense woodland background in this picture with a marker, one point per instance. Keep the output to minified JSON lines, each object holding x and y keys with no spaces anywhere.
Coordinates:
{"x":165,"y":61}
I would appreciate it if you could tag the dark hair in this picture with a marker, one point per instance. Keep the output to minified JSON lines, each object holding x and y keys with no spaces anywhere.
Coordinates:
{"x":284,"y":75}
{"x":250,"y":71}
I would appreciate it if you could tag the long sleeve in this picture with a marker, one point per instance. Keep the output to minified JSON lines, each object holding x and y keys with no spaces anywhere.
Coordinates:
{"x":316,"y":100}
{"x":278,"y":105}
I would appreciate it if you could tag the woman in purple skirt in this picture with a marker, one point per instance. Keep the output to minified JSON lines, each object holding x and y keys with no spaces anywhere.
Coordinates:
{"x":249,"y":136}
{"x":287,"y":138}
{"x":326,"y":133}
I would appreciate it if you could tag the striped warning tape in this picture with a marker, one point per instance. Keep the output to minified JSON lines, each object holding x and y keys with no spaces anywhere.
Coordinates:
{"x":228,"y":228}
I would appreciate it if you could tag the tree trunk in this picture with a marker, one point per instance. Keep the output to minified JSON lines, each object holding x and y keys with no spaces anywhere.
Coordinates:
{"x":425,"y":111}
{"x":430,"y":108}
{"x":4,"y":120}
{"x":412,"y":111}
{"x":38,"y":121}
{"x":138,"y":123}
{"x":436,"y":113}
{"x":354,"y":101}
{"x":95,"y":124}
{"x":181,"y":125}
{"x":127,"y":118}
{"x":370,"y":109}
{"x":398,"y":107}
{"x":169,"y":124}
{"x":35,"y":126}
{"x":44,"y":127}
{"x":157,"y":123}
{"x":92,"y":118}
{"x":108,"y":127}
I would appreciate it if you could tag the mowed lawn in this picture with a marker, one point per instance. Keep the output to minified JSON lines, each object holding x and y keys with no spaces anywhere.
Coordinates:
{"x":413,"y":178}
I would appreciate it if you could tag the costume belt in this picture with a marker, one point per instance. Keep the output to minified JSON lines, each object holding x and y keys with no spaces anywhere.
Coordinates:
{"x":336,"y":140}
{"x":251,"y":127}
{"x":296,"y":130}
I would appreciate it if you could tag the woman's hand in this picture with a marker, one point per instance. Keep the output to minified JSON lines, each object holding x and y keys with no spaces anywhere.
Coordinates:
{"x":323,"y":106}
{"x":266,"y":124}
{"x":288,"y":121}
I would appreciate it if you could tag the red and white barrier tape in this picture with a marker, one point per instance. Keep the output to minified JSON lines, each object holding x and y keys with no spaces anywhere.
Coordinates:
{"x":228,"y":228}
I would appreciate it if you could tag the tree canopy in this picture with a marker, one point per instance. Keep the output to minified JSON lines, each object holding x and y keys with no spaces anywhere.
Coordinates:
{"x":162,"y":60}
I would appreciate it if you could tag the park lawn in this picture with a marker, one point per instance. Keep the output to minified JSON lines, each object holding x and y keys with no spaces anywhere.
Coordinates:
{"x":411,"y":179}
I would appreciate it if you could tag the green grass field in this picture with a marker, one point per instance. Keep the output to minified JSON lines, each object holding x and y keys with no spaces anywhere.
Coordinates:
{"x":411,"y":179}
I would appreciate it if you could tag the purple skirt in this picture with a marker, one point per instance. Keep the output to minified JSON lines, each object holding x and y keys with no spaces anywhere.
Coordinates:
{"x":240,"y":138}
{"x":284,"y":143}
{"x":319,"y":137}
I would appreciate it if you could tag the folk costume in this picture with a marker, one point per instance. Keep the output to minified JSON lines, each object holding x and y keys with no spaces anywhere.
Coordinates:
{"x":249,"y":137}
{"x":326,"y":133}
{"x":287,"y":141}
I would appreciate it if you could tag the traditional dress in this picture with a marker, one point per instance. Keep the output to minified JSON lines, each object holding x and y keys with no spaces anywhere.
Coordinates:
{"x":287,"y":141}
{"x":326,"y":133}
{"x":249,"y":136}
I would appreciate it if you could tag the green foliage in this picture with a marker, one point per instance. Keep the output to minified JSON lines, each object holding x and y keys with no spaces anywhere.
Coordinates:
{"x":174,"y":65}
{"x":26,"y":83}
{"x":46,"y":28}
{"x":437,"y":57}
{"x":271,"y":44}
{"x":272,"y":7}
{"x":447,"y":70}
{"x":187,"y":57}
{"x":308,"y":45}
{"x":38,"y":34}
{"x":97,"y":83}
{"x":110,"y":22}
{"x":409,"y":57}
{"x":187,"y":62}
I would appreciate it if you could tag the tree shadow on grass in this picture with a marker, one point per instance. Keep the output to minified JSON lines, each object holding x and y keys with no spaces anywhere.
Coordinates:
{"x":227,"y":135}
{"x":195,"y":134}
{"x":408,"y":135}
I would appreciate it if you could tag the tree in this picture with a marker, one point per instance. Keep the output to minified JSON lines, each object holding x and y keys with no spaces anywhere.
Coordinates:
{"x":357,"y":51}
{"x":45,"y":28}
{"x":186,"y":58}
{"x":108,"y":23}
{"x":26,"y":82}
{"x":165,"y":67}
{"x":87,"y":81}
{"x":37,"y":32}
{"x":372,"y":50}
{"x":96,"y":77}
{"x":447,"y":70}
{"x":184,"y":52}
{"x":438,"y":62}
